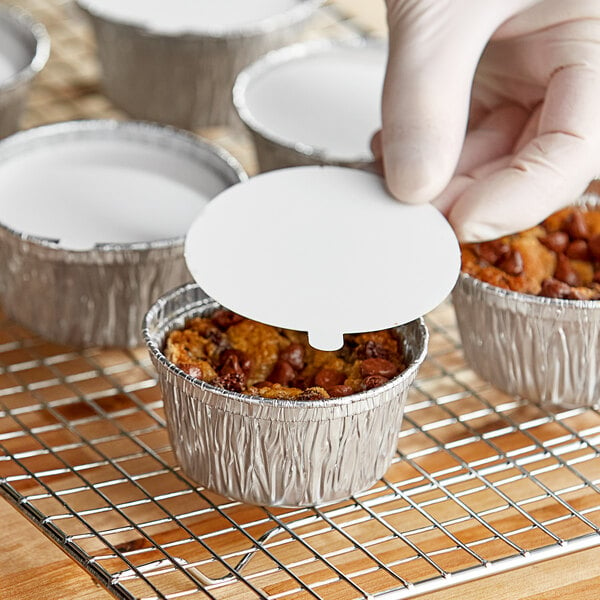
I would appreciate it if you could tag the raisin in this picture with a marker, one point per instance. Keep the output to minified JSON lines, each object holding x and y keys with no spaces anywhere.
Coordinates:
{"x":373,"y":381}
{"x":378,"y":366}
{"x":512,"y":263}
{"x":282,"y":373}
{"x":224,"y":318}
{"x":565,"y":272}
{"x":557,"y":241}
{"x":338,"y":391}
{"x":293,"y":354}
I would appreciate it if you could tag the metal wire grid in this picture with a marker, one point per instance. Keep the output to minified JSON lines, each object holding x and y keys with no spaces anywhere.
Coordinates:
{"x":482,"y":482}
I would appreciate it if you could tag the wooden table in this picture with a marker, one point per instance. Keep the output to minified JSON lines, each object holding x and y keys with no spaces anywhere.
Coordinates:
{"x":33,"y":568}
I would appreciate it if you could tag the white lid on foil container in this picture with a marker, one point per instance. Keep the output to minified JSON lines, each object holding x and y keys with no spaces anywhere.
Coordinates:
{"x":103,"y":187}
{"x":319,"y":97}
{"x":322,"y":249}
{"x":211,"y":17}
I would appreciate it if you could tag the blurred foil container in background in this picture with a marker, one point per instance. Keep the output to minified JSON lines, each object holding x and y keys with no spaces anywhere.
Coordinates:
{"x":97,"y":296}
{"x":184,"y":77}
{"x":542,"y":349}
{"x":276,"y":452}
{"x":24,"y":50}
{"x":324,"y":109}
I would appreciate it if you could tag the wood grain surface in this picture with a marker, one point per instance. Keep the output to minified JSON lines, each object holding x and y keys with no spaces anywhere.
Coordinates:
{"x":33,"y":568}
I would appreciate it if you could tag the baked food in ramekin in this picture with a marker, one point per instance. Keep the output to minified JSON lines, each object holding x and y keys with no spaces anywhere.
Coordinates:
{"x":241,"y":355}
{"x":175,"y":62}
{"x":92,"y":222}
{"x":528,"y":309}
{"x":276,"y":451}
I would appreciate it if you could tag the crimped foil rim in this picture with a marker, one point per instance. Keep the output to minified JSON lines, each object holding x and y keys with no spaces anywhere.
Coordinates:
{"x":42,"y":46}
{"x":358,"y":398}
{"x":15,"y":143}
{"x":273,"y":23}
{"x":281,"y":56}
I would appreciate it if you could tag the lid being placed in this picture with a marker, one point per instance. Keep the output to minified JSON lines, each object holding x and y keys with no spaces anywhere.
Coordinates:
{"x":322,"y":249}
{"x":320,"y":98}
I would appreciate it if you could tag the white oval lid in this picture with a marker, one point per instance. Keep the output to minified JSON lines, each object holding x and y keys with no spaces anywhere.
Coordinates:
{"x":325,"y":250}
{"x":103,"y":187}
{"x":322,"y":97}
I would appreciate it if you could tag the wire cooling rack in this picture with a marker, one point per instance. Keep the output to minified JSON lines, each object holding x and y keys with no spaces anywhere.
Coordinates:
{"x":482,"y":482}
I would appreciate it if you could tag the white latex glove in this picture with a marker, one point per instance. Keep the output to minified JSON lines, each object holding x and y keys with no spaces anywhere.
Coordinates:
{"x":521,"y":78}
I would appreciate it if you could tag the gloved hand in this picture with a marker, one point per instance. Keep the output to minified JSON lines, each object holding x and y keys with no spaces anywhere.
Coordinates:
{"x":521,"y":78}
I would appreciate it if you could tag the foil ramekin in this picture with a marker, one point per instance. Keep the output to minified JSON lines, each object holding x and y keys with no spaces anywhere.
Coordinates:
{"x":274,"y":151}
{"x":542,"y":349}
{"x":14,"y":91}
{"x":184,"y":79}
{"x":96,"y":297}
{"x":276,"y":452}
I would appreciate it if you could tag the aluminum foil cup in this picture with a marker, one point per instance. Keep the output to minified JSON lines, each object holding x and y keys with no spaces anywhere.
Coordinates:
{"x":24,"y":50}
{"x":276,"y":452}
{"x":543,"y":349}
{"x":184,"y":78}
{"x":276,"y":146}
{"x":96,"y":296}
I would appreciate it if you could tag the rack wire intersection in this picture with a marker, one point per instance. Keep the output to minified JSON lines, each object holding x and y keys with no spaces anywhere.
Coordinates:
{"x":482,"y":482}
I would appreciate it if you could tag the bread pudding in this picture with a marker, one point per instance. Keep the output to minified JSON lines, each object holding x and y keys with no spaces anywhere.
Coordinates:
{"x":244,"y":356}
{"x":560,"y":258}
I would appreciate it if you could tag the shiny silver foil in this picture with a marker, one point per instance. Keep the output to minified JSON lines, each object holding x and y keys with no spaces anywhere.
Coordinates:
{"x":184,"y":79}
{"x":276,"y":452}
{"x":14,"y":91}
{"x":272,"y":151}
{"x":98,"y":296}
{"x":542,"y":349}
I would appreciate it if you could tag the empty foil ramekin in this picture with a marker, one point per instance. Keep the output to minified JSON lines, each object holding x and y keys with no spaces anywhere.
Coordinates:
{"x":24,"y":50}
{"x":542,"y":349}
{"x":183,"y":75}
{"x":315,"y":103}
{"x":97,"y":295}
{"x":276,"y":452}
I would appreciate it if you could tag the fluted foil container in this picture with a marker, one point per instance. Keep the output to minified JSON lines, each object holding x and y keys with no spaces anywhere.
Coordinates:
{"x":543,"y":349}
{"x":272,"y":150}
{"x":15,"y":90}
{"x":184,"y":79}
{"x":95,"y":297}
{"x":276,"y":452}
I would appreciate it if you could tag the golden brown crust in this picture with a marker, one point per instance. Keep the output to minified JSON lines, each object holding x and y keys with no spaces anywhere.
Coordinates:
{"x":252,"y":358}
{"x":560,"y":258}
{"x":261,"y":343}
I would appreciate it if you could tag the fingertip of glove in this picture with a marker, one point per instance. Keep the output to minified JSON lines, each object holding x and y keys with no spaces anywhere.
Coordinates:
{"x":476,"y":231}
{"x":413,"y":180}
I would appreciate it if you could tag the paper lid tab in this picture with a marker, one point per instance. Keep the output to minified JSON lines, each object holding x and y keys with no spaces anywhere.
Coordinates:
{"x":325,"y":250}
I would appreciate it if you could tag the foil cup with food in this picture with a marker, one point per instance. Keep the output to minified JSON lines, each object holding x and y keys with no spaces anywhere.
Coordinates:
{"x":175,"y":62}
{"x":528,"y":308}
{"x":93,"y":216}
{"x":255,"y":414}
{"x":316,"y":103}
{"x":24,"y":50}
